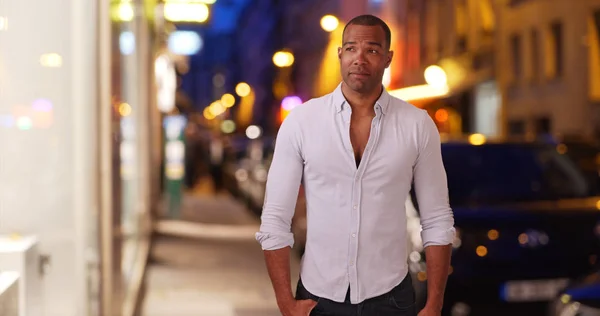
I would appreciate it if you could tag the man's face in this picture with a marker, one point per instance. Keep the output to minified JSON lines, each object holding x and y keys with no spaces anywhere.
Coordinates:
{"x":364,"y":55}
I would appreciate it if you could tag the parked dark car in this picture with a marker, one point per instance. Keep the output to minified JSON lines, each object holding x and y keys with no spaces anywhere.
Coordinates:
{"x":527,"y":221}
{"x":245,"y":172}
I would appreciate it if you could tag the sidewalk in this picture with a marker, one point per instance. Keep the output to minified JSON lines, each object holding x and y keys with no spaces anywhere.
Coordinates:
{"x":209,"y":264}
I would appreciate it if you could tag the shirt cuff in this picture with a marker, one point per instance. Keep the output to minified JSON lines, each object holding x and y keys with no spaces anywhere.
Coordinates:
{"x":438,"y":237}
{"x":270,"y":241}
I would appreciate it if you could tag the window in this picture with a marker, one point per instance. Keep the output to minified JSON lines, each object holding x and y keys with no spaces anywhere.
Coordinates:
{"x":557,"y":35}
{"x":461,"y":44}
{"x":461,"y":24}
{"x":594,"y":56}
{"x":535,"y":55}
{"x":497,"y":173}
{"x":554,"y":51}
{"x":516,"y":128}
{"x":597,"y":20}
{"x":515,"y":51}
{"x":543,"y":126}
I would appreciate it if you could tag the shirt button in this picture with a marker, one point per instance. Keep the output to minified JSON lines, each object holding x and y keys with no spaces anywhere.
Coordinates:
{"x":353,"y":235}
{"x":354,"y":206}
{"x":351,"y":263}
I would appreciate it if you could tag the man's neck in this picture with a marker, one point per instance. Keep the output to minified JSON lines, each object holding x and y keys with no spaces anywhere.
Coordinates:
{"x":361,"y":103}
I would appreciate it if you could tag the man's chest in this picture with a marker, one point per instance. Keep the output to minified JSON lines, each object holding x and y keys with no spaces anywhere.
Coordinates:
{"x":360,"y":132}
{"x":387,"y":153}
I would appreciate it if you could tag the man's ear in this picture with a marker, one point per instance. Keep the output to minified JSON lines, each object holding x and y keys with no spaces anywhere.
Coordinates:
{"x":390,"y":57}
{"x":339,"y":53}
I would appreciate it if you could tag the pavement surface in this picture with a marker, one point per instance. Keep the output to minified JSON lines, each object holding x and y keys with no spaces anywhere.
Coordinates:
{"x":209,"y":274}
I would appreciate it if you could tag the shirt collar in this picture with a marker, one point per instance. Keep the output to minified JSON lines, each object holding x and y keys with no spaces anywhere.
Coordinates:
{"x":339,"y":100}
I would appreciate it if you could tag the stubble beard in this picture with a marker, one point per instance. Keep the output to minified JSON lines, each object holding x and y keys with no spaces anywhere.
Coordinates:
{"x":361,"y":86}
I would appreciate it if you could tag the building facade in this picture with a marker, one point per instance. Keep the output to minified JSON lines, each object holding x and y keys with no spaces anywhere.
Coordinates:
{"x":513,"y":67}
{"x":548,"y":66}
{"x":456,"y":36}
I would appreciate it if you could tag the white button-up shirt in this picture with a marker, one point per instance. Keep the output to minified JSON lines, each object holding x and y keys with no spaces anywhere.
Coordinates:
{"x":356,"y":218}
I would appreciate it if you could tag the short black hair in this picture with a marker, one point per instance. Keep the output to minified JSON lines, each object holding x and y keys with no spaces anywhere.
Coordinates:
{"x":371,"y":20}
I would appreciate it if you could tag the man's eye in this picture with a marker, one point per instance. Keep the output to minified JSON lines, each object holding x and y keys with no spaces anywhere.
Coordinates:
{"x":373,"y":51}
{"x":350,"y":49}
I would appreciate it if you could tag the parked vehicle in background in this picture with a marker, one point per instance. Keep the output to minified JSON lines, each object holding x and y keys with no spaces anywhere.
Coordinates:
{"x":527,"y":221}
{"x":246,"y":171}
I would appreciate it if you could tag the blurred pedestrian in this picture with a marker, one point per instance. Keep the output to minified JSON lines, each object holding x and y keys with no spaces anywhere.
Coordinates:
{"x":216,"y":161}
{"x":357,"y":151}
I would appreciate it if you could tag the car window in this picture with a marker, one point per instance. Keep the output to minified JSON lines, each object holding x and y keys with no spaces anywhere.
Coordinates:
{"x":496,"y":173}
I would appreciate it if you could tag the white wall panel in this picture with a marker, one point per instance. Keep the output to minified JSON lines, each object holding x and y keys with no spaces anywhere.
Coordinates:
{"x":47,"y":138}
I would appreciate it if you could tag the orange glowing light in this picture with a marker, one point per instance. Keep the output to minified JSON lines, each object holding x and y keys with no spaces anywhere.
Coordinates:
{"x":441,"y":115}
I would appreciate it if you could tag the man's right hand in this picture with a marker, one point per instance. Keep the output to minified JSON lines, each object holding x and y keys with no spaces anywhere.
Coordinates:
{"x":298,"y":308}
{"x":278,"y":265}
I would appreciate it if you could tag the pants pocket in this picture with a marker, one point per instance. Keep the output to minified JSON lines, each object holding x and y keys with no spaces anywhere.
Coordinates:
{"x":303,"y":294}
{"x":403,"y":297}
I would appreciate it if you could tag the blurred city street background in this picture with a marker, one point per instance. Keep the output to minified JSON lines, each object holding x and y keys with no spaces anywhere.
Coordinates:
{"x":136,"y":138}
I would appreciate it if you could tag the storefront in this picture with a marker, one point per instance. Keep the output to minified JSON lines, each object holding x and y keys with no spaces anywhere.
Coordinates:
{"x":137,"y":119}
{"x":80,"y":157}
{"x":460,"y":99}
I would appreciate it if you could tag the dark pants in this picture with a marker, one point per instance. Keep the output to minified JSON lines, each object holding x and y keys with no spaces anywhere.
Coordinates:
{"x":400,"y":301}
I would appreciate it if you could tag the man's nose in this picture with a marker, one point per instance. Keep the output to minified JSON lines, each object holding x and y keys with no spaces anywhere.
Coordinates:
{"x":360,"y":59}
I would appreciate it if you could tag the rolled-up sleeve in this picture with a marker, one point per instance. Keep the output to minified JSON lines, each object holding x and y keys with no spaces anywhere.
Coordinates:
{"x":431,"y":187}
{"x":283,"y":183}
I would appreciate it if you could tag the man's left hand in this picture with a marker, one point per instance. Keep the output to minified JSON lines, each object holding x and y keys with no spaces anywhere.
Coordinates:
{"x":427,"y":311}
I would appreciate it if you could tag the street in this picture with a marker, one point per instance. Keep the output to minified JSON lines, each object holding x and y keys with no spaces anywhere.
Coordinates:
{"x":216,"y":273}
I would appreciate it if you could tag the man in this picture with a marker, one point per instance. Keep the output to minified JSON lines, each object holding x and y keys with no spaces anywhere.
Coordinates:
{"x":357,"y":151}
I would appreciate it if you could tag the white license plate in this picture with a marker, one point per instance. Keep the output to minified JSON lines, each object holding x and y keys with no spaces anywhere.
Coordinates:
{"x":532,"y":290}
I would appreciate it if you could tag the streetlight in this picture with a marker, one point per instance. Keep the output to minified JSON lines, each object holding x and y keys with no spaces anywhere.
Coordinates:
{"x":217,"y":108}
{"x":290,"y":102}
{"x":477,"y":139}
{"x":287,"y":105}
{"x":208,"y":113}
{"x":228,"y":100}
{"x":181,"y":11}
{"x":436,"y":77}
{"x":124,"y":109}
{"x":243,"y":89}
{"x":125,"y":12}
{"x":228,"y":126}
{"x":329,"y":23}
{"x":283,"y":59}
{"x":253,"y":132}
